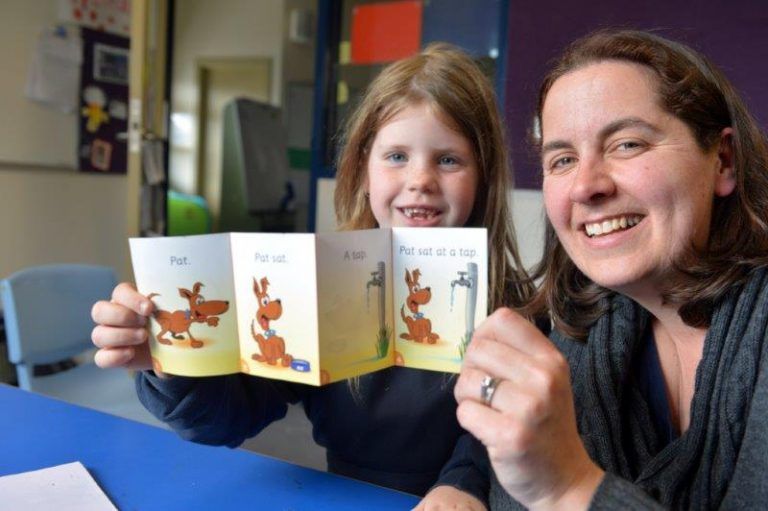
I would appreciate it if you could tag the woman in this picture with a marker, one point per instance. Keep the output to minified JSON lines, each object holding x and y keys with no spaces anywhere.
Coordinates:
{"x":654,"y":391}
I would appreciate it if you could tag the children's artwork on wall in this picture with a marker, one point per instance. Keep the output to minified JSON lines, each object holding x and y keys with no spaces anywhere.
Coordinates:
{"x":103,"y":99}
{"x":104,"y":15}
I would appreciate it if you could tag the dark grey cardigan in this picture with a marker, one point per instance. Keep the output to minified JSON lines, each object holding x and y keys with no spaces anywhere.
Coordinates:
{"x":721,"y":462}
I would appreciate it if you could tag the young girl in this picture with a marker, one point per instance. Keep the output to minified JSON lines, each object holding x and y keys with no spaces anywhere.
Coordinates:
{"x":425,"y":148}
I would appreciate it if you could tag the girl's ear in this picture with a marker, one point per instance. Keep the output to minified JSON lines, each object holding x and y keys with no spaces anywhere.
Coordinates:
{"x":725,"y":180}
{"x":366,"y":186}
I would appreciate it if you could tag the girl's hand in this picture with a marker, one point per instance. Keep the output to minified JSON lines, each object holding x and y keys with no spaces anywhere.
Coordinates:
{"x":120,"y":333}
{"x":529,"y":428}
{"x":443,"y":498}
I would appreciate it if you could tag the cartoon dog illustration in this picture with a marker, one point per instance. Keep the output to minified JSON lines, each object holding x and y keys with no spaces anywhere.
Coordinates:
{"x":200,"y":311}
{"x":419,"y":327}
{"x":272,"y":346}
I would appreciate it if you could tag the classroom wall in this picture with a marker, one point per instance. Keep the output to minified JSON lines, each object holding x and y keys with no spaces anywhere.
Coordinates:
{"x":225,"y":28}
{"x":49,"y":215}
{"x":37,"y":134}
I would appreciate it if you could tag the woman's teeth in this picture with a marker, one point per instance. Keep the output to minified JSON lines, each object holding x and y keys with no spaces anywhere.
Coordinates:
{"x":419,"y":213}
{"x":608,"y":226}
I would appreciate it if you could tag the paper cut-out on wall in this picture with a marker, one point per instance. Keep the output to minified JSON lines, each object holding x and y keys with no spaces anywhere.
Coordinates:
{"x":386,"y":31}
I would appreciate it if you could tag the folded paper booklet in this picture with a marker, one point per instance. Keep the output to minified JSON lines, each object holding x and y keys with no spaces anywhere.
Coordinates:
{"x":313,"y":308}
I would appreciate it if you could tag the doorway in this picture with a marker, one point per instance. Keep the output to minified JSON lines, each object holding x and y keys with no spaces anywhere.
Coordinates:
{"x":219,"y":81}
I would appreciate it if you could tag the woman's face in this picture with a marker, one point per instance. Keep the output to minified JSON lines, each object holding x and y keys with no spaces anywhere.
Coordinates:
{"x":626,"y":186}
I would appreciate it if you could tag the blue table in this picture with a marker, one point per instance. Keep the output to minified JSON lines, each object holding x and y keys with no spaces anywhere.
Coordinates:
{"x":141,"y":467}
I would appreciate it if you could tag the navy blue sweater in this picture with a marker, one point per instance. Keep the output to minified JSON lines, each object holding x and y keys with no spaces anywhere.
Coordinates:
{"x":400,"y":432}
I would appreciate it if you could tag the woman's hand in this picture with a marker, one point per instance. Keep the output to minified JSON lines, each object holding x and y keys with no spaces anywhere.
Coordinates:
{"x":443,"y":498}
{"x":529,"y":427}
{"x":120,"y":333}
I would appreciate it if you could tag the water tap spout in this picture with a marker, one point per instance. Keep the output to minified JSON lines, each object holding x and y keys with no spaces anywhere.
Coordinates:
{"x":376,"y":280}
{"x":462,"y":280}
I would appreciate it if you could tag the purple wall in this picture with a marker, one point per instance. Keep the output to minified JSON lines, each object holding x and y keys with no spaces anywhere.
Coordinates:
{"x":734,"y":34}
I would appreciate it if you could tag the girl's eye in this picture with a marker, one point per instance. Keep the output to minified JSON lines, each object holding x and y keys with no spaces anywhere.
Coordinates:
{"x":397,"y":158}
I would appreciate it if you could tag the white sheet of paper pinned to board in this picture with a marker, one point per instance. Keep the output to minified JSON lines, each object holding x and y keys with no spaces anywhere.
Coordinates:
{"x":66,"y":487}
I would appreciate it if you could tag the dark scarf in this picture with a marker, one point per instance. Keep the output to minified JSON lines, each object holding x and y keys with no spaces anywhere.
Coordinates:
{"x":613,"y":416}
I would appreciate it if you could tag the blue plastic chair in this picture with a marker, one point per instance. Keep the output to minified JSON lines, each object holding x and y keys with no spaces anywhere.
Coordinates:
{"x":47,"y":312}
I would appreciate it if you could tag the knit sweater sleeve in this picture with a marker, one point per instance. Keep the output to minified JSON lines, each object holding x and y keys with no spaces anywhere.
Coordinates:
{"x":616,"y":493}
{"x":220,"y":410}
{"x":468,"y":469}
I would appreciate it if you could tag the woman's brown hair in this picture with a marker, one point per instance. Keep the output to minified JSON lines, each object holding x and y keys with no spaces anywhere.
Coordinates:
{"x":691,"y":88}
{"x":446,"y":79}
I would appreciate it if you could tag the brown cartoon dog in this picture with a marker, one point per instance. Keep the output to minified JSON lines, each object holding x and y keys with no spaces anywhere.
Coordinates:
{"x":419,"y":327}
{"x":272,"y":346}
{"x":200,"y":311}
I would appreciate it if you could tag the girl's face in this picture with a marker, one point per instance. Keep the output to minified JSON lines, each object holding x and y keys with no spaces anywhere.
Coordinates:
{"x":626,"y":187}
{"x":421,"y":172}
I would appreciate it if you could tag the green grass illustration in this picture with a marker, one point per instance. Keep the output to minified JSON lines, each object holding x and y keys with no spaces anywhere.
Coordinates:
{"x":382,"y":341}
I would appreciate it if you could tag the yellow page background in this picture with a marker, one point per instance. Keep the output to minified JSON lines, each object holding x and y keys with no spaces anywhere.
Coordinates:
{"x":163,"y":265}
{"x":288,"y":263}
{"x":439,"y":254}
{"x":351,"y":344}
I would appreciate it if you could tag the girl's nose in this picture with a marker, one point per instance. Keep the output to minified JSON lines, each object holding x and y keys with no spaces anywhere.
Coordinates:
{"x":592,"y":181}
{"x":422,"y":178}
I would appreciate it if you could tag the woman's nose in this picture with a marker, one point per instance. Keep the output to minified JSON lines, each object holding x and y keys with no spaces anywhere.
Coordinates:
{"x":592,"y":181}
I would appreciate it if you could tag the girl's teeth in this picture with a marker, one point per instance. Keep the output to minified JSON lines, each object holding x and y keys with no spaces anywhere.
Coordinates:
{"x":418,"y":213}
{"x":608,"y":226}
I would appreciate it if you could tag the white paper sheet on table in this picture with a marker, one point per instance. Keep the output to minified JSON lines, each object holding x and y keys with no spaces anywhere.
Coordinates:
{"x":66,"y":487}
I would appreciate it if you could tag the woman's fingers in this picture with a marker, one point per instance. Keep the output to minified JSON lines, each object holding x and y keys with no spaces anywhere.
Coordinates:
{"x":508,"y":327}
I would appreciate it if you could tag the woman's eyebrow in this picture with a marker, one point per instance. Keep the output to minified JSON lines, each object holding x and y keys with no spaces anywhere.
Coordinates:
{"x":605,"y":132}
{"x":555,"y":145}
{"x":626,"y":122}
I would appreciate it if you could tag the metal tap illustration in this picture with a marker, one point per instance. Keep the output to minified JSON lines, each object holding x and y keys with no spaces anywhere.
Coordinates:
{"x":467,"y":279}
{"x":377,"y":280}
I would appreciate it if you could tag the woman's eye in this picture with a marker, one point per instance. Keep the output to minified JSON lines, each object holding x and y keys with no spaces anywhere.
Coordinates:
{"x":448,"y":160}
{"x":628,"y":146}
{"x":559,"y":164}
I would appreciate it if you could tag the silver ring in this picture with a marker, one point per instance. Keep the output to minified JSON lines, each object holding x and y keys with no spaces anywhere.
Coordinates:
{"x":488,"y":389}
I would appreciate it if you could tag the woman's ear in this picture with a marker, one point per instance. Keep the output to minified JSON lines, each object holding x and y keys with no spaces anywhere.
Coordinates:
{"x":725,"y":180}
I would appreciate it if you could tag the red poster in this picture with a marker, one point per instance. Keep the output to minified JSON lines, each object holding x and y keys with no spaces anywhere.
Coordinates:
{"x":386,"y":31}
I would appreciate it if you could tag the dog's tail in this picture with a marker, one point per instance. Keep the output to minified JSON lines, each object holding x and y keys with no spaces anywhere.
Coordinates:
{"x":402,"y":313}
{"x":253,"y":332}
